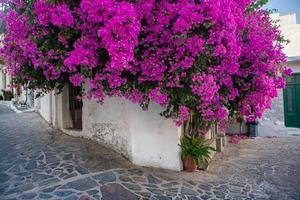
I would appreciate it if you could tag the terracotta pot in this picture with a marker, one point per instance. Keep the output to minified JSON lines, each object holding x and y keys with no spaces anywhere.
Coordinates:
{"x":189,"y":164}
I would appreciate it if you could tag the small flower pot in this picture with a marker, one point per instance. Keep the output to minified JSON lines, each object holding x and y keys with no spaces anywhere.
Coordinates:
{"x":190,"y":164}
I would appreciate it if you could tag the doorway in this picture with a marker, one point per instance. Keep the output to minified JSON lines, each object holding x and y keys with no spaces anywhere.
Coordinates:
{"x":75,"y":107}
{"x":291,"y":97}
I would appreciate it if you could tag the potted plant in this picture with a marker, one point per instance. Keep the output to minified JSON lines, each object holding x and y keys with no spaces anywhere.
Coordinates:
{"x":195,"y":151}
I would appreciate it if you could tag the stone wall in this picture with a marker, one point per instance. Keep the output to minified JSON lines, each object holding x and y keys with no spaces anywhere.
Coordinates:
{"x":276,"y":114}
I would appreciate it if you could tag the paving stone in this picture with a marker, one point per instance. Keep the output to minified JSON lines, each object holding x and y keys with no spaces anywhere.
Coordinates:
{"x":144,"y":194}
{"x":170,"y":184}
{"x":153,"y":180}
{"x":14,"y":169}
{"x":28,"y":196}
{"x":21,"y":188}
{"x":106,"y":177}
{"x":68,"y":156}
{"x":70,"y":176}
{"x":204,"y":187}
{"x":50,"y":181}
{"x":70,"y":169}
{"x":136,"y":171}
{"x":115,"y":191}
{"x":187,"y":191}
{"x":3,"y":168}
{"x":205,"y":197}
{"x":63,"y":175}
{"x":4,"y":178}
{"x":93,"y":192}
{"x":45,"y":196}
{"x":84,"y":197}
{"x":140,"y":179}
{"x":31,"y":165}
{"x":171,"y":190}
{"x":50,"y":189}
{"x":150,"y":185}
{"x":251,"y":170}
{"x":81,"y":170}
{"x":63,"y":193}
{"x":3,"y":187}
{"x":52,"y":159}
{"x":40,"y":177}
{"x":193,"y":198}
{"x":156,"y":191}
{"x":131,"y":186}
{"x":125,"y":178}
{"x":81,"y":184}
{"x":41,"y":157}
{"x":72,"y":197}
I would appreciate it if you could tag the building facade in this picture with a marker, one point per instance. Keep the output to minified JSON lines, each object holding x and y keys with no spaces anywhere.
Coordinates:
{"x":5,"y":80}
{"x":285,"y":110}
{"x":144,"y":137}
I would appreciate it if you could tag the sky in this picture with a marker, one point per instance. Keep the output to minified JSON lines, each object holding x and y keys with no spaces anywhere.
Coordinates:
{"x":285,"y":7}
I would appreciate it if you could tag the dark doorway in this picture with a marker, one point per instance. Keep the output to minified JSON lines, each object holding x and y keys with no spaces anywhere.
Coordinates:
{"x":75,"y":107}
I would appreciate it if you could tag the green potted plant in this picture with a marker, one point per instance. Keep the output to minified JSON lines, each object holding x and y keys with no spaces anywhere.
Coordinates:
{"x":195,"y":152}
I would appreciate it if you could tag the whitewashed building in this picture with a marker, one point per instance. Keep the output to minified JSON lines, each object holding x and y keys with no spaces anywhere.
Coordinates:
{"x":285,"y":110}
{"x":4,"y":80}
{"x":144,"y":137}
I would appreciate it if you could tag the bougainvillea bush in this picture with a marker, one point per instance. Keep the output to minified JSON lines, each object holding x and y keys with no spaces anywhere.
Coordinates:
{"x":203,"y":61}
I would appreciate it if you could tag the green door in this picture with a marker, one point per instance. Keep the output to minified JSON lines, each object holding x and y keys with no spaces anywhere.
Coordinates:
{"x":292,"y":102}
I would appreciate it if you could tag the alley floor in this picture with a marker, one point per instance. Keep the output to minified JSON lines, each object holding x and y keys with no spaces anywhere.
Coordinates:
{"x":39,"y":162}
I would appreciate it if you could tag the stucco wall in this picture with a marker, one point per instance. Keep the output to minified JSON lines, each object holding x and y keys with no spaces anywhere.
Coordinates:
{"x":1,"y":81}
{"x":108,"y":124}
{"x":276,"y":114}
{"x":45,"y":108}
{"x":272,"y":123}
{"x":143,"y":136}
{"x":154,"y":139}
{"x":4,"y":80}
{"x":291,"y":30}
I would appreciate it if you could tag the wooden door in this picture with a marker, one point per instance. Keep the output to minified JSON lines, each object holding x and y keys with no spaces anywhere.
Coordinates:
{"x":292,"y":102}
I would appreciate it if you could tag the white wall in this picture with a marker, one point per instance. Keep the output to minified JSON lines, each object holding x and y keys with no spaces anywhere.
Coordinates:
{"x":154,"y":139}
{"x":108,"y":124}
{"x":295,"y":65}
{"x":291,"y":30}
{"x":4,"y":80}
{"x":144,"y":137}
{"x":44,"y":107}
{"x":1,"y":81}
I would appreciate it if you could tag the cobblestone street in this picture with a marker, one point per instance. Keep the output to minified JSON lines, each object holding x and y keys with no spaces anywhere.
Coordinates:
{"x":38,"y":162}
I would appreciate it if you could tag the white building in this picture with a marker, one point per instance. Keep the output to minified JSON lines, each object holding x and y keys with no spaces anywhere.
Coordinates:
{"x":4,"y":80}
{"x":144,"y":137}
{"x":285,"y":110}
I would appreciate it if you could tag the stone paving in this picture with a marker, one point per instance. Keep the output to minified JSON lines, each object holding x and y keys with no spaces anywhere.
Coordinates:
{"x":38,"y":162}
